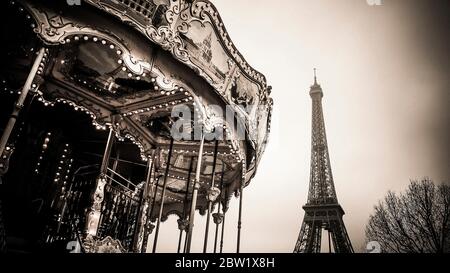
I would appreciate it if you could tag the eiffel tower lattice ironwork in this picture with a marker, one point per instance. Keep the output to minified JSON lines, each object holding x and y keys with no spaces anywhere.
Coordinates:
{"x":322,"y":211}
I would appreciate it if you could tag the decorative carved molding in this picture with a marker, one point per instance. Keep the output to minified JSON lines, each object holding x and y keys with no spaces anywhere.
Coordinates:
{"x":205,"y":11}
{"x":106,"y":245}
{"x":162,"y":35}
{"x":180,"y":16}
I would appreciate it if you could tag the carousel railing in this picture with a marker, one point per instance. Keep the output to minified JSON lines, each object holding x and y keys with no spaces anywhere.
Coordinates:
{"x":70,"y":207}
{"x":119,"y":213}
{"x":120,"y":208}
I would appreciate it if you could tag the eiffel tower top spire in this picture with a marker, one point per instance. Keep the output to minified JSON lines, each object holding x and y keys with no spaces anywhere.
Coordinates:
{"x":316,"y":88}
{"x":315,"y":76}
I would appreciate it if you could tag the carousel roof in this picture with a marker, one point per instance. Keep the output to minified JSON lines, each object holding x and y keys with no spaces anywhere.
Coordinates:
{"x":128,"y":63}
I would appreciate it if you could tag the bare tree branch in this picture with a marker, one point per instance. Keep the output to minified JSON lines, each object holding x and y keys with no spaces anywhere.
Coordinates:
{"x":416,"y":221}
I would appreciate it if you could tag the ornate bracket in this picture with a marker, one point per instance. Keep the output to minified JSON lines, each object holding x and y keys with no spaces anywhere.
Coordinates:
{"x":218,"y":218}
{"x":212,"y":194}
{"x":183,"y":224}
{"x":150,"y":228}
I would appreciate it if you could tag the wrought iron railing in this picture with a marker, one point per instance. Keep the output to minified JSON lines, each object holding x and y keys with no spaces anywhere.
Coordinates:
{"x":69,"y":208}
{"x":119,"y":212}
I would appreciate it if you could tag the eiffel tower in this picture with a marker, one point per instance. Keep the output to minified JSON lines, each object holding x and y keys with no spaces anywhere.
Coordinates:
{"x":322,"y":210}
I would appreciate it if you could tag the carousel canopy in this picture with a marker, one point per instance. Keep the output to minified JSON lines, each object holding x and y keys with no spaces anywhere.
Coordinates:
{"x":128,"y":64}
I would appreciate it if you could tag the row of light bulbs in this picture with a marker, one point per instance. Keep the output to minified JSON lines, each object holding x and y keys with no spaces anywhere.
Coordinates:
{"x":64,"y":161}
{"x":43,"y":150}
{"x":164,"y":105}
{"x":130,"y":137}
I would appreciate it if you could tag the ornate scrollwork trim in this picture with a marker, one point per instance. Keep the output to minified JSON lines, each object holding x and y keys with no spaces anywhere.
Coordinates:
{"x":106,"y":245}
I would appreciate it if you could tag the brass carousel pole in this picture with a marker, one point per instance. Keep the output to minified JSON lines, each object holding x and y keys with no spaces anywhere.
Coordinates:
{"x":219,"y":217}
{"x":195,"y":193}
{"x":329,"y":241}
{"x":142,"y":216}
{"x":223,"y":231}
{"x":107,"y":153}
{"x":20,"y":101}
{"x":149,"y":226}
{"x":182,"y":222}
{"x":240,"y":211}
{"x":93,"y":216}
{"x":210,"y":196}
{"x":189,"y":212}
{"x":115,"y":165}
{"x":161,"y":206}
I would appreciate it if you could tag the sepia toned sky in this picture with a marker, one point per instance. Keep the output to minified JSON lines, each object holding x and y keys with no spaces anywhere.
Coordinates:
{"x":385,"y":74}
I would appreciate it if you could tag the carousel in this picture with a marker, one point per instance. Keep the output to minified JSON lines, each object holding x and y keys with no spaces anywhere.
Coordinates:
{"x":116,"y":114}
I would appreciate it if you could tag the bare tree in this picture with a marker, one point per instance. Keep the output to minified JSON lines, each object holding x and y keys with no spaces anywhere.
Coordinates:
{"x":416,"y":221}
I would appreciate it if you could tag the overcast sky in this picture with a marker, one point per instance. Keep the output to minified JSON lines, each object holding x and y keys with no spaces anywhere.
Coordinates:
{"x":385,"y":73}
